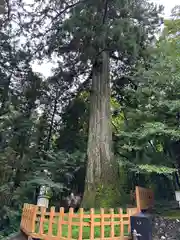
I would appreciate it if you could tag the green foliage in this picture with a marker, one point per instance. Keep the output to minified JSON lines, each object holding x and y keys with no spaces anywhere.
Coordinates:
{"x":148,"y":168}
{"x":74,"y":125}
{"x":151,"y":109}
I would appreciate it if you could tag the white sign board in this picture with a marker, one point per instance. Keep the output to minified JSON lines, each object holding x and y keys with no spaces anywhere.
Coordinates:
{"x":177,"y":196}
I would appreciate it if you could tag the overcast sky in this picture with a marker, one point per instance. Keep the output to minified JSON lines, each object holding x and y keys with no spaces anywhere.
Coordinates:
{"x":168,"y":4}
{"x":45,"y":68}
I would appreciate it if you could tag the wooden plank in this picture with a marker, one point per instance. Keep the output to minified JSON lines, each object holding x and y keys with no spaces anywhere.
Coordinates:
{"x":106,"y":215}
{"x":129,"y":220}
{"x":96,"y":224}
{"x":45,"y":237}
{"x":34,"y":219}
{"x":50,"y":227}
{"x":92,"y":224}
{"x":102,"y":223}
{"x":121,"y":223}
{"x":81,"y":213}
{"x":71,"y":212}
{"x":27,"y":217}
{"x":60,"y":220}
{"x":41,"y":225}
{"x":112,"y":223}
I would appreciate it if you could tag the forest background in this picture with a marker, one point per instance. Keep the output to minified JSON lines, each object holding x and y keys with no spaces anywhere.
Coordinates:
{"x":106,"y":120}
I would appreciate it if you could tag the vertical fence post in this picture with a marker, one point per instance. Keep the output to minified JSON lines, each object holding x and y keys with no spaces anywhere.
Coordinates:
{"x":60,"y":222}
{"x":102,"y":223}
{"x":28,"y":217}
{"x":91,"y":224}
{"x":81,"y":221}
{"x":30,"y":213}
{"x":33,"y":223}
{"x":122,"y":222}
{"x":112,"y":222}
{"x":70,"y":218}
{"x":24,"y":216}
{"x":41,"y":224}
{"x":129,"y":212}
{"x":51,"y":219}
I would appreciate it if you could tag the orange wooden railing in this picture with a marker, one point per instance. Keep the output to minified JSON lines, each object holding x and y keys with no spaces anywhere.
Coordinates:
{"x":39,"y":223}
{"x":28,"y":218}
{"x":144,"y":198}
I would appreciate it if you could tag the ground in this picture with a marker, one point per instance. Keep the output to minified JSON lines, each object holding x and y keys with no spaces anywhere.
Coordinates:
{"x":167,"y":225}
{"x":166,"y":229}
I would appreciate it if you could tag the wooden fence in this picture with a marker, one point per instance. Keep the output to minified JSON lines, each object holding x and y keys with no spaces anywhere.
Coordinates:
{"x":41,"y":224}
{"x":144,"y":198}
{"x":38,"y":223}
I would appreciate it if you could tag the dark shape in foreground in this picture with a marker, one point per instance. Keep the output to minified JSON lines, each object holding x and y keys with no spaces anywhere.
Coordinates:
{"x":19,"y":236}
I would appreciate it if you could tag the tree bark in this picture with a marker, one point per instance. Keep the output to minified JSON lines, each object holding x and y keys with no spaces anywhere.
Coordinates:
{"x":101,"y":188}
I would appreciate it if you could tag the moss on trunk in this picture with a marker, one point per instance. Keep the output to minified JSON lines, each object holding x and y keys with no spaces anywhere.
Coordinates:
{"x":103,"y":196}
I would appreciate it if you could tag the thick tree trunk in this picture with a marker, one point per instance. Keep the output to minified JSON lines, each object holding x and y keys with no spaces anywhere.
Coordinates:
{"x":101,"y":175}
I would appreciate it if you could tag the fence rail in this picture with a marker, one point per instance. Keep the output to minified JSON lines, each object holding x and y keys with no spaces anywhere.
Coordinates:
{"x":39,"y":223}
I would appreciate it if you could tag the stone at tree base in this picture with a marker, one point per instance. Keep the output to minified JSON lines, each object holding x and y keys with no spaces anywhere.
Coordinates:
{"x":166,"y":229}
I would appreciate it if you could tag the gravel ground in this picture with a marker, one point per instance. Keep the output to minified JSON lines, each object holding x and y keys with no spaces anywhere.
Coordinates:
{"x":166,"y":229}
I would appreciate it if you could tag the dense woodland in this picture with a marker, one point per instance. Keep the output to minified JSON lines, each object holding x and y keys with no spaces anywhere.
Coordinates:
{"x":107,"y":118}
